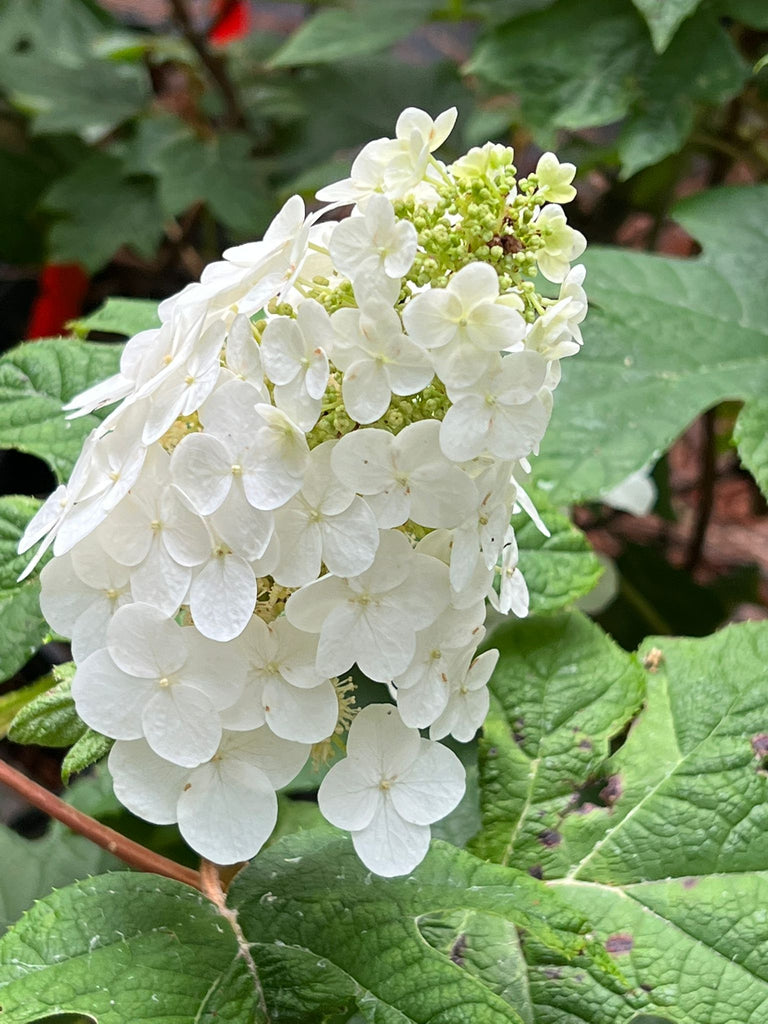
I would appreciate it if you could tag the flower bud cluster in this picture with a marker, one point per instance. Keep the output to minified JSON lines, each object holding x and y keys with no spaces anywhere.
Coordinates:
{"x":311,"y":467}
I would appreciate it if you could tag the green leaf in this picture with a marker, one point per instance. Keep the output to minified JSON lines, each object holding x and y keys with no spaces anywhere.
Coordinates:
{"x":90,"y":98}
{"x":126,"y":947}
{"x":32,"y":867}
{"x":665,"y":339}
{"x":558,"y":569}
{"x":11,"y":703}
{"x":661,"y":843}
{"x":583,"y":63}
{"x":64,"y":88}
{"x":664,"y":18}
{"x":119,"y":316}
{"x":36,"y":379}
{"x":751,"y":436}
{"x":50,"y":720}
{"x":561,"y":691}
{"x":222,"y":173}
{"x":335,"y":34}
{"x":88,"y":750}
{"x":22,"y":626}
{"x":327,"y":935}
{"x":701,"y":66}
{"x":100,"y":210}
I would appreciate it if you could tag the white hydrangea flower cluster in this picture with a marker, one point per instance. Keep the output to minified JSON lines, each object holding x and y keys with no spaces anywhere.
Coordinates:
{"x":312,"y":466}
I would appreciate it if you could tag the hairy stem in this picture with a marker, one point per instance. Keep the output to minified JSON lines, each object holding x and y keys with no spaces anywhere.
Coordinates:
{"x":126,"y":850}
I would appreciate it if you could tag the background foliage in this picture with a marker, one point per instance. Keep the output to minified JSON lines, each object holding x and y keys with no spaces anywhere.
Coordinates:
{"x":615,"y":823}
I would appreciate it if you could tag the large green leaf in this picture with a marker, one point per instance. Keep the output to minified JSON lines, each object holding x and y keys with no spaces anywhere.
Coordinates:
{"x":558,"y":569}
{"x":327,"y":935}
{"x":582,"y":63}
{"x":662,"y":843}
{"x":665,"y":339}
{"x":36,"y":379}
{"x":100,"y":210}
{"x":63,"y":87}
{"x":751,"y":436}
{"x":664,"y":18}
{"x":220,"y":172}
{"x":126,"y":949}
{"x":22,"y":626}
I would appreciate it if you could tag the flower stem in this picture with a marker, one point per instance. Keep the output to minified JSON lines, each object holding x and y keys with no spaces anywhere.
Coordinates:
{"x":126,"y":850}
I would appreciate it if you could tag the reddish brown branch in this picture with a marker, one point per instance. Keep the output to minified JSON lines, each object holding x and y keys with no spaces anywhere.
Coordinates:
{"x":131,"y":853}
{"x":212,"y":62}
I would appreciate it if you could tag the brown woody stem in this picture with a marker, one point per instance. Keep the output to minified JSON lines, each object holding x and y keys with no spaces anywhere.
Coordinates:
{"x":124,"y":849}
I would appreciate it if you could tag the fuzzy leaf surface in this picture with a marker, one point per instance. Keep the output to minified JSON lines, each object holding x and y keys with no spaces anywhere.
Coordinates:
{"x":660,"y":844}
{"x":558,"y":569}
{"x":36,"y":379}
{"x":126,"y":947}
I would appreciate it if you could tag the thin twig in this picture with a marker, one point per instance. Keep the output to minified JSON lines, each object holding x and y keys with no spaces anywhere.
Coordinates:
{"x":131,"y":853}
{"x":210,"y":875}
{"x":706,"y":490}
{"x":213,"y":64}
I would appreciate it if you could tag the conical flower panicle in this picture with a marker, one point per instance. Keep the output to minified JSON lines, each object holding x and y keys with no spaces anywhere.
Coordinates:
{"x":311,"y":465}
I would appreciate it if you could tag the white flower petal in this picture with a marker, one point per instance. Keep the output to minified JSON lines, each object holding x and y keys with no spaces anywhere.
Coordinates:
{"x":306,"y":716}
{"x":108,"y":700}
{"x":222,"y":597}
{"x":431,"y":787}
{"x":145,"y":783}
{"x":390,"y":845}
{"x":228,"y":812}
{"x":181,"y":725}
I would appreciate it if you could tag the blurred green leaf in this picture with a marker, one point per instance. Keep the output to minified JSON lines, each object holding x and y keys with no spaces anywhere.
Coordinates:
{"x":32,"y":867}
{"x":119,"y":316}
{"x":584,"y":63}
{"x":362,"y":100}
{"x":13,"y":702}
{"x":99,"y":211}
{"x":90,"y":99}
{"x":219,"y":172}
{"x":664,"y":18}
{"x":751,"y":436}
{"x":338,"y":33}
{"x":36,"y":379}
{"x":665,"y":339}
